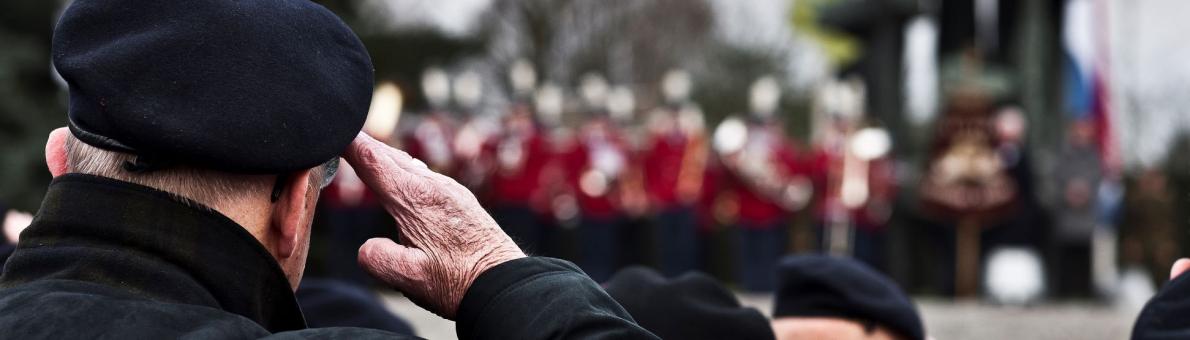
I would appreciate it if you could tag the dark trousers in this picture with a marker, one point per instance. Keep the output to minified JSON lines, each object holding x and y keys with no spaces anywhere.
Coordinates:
{"x":636,"y":246}
{"x":347,"y":229}
{"x":1071,"y":273}
{"x":677,"y":240}
{"x":759,"y":245}
{"x":869,"y":248}
{"x":520,"y":223}
{"x":334,"y":303}
{"x":598,"y":247}
{"x":867,"y":245}
{"x":940,"y":254}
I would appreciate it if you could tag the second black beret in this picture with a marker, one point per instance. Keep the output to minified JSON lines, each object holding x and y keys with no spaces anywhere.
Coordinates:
{"x":692,"y":306}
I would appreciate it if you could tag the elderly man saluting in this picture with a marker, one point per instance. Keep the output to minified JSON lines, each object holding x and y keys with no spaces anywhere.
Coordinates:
{"x":200,"y":133}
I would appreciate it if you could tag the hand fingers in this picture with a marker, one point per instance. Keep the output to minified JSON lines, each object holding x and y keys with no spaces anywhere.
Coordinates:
{"x":372,"y":161}
{"x":1179,"y":267}
{"x":395,"y":264}
{"x":386,"y":170}
{"x":367,"y":150}
{"x":418,"y":167}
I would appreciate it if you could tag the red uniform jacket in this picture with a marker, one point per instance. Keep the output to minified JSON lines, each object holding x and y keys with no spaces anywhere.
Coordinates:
{"x":594,"y":169}
{"x":431,"y":142}
{"x":827,"y":168}
{"x":756,"y":208}
{"x":517,"y":170}
{"x":662,"y":161}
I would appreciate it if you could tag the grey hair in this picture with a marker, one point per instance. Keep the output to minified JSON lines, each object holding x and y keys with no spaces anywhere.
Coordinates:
{"x":209,"y":187}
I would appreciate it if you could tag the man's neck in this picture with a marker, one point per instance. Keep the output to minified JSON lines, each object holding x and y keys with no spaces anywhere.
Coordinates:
{"x":252,"y":216}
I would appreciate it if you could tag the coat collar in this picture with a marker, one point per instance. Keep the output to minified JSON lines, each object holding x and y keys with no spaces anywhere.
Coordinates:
{"x":154,"y":245}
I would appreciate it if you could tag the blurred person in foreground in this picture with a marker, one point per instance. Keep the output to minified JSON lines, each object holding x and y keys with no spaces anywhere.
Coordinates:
{"x":185,"y":186}
{"x":1150,"y":235}
{"x":1077,"y":175}
{"x":825,"y":297}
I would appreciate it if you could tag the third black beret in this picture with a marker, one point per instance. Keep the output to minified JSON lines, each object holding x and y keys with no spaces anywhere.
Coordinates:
{"x":835,"y":287}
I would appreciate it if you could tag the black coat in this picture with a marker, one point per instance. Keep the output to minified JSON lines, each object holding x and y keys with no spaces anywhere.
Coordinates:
{"x":110,"y":259}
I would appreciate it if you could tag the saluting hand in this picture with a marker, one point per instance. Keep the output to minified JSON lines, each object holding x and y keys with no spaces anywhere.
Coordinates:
{"x":447,"y":239}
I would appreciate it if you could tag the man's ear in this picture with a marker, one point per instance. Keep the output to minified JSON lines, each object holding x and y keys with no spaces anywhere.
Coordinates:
{"x":55,"y":152}
{"x":289,"y":213}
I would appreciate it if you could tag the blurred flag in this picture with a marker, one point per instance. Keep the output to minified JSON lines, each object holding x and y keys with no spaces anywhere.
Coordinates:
{"x":921,"y":69}
{"x":1084,"y":40}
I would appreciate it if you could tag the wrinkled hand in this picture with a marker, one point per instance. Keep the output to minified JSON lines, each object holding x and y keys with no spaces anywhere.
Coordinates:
{"x":447,"y":239}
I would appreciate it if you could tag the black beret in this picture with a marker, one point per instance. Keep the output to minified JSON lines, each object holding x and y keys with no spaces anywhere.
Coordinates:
{"x":255,"y":86}
{"x":835,"y":287}
{"x":1165,"y":315}
{"x":691,"y":306}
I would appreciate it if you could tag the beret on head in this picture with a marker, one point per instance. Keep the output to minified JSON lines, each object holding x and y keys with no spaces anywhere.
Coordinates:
{"x":834,"y":287}
{"x":691,"y":306}
{"x":253,"y":86}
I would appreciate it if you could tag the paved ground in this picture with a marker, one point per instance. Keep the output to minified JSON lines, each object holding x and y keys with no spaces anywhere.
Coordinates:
{"x":944,"y":319}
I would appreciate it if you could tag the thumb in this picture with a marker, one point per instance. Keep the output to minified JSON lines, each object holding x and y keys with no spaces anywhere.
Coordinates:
{"x":395,"y":264}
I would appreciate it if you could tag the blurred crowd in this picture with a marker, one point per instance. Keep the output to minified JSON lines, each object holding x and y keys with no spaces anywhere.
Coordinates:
{"x":582,"y":172}
{"x":585,"y":174}
{"x":966,"y":149}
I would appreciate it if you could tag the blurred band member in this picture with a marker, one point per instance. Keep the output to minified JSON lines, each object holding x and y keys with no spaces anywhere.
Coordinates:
{"x":475,"y":128}
{"x":519,"y":154}
{"x":673,"y":161}
{"x":853,"y":176}
{"x":430,"y":137}
{"x":768,"y":182}
{"x":634,"y":232}
{"x":594,"y":169}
